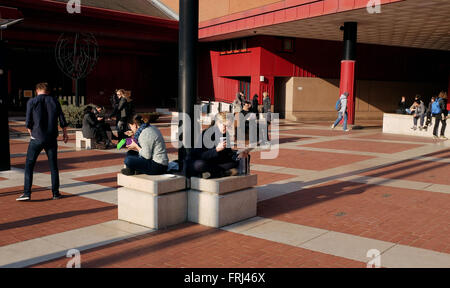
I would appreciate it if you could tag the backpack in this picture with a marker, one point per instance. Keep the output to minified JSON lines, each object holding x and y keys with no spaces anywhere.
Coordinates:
{"x":338,"y":105}
{"x":436,"y":107}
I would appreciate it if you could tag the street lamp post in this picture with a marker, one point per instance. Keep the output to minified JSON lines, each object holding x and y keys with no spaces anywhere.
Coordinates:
{"x":187,"y":73}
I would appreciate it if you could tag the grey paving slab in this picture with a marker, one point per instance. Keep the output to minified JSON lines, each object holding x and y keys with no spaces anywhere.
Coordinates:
{"x":29,"y":252}
{"x":346,"y":245}
{"x":246,"y":224}
{"x":401,"y":256}
{"x":283,"y":232}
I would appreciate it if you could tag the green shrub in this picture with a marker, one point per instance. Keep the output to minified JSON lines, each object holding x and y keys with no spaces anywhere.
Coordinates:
{"x":74,"y":115}
{"x":63,"y":102}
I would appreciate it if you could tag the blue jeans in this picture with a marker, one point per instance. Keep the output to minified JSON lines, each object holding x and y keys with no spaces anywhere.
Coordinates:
{"x":34,"y":149}
{"x":339,"y":120}
{"x":149,"y":167}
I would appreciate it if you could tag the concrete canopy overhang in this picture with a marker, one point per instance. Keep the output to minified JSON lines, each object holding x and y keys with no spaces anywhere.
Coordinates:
{"x":405,"y":23}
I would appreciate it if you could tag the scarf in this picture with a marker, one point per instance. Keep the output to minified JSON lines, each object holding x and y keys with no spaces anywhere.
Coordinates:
{"x":138,"y":132}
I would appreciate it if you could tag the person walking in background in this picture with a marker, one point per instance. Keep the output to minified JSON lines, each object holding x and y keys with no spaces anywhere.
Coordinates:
{"x":266,"y":110}
{"x":440,"y":113}
{"x":341,"y":107}
{"x":43,"y":113}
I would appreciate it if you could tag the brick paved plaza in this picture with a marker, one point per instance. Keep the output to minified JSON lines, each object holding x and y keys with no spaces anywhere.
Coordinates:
{"x":325,"y":201}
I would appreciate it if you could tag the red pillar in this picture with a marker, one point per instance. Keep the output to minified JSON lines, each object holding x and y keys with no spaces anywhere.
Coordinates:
{"x":347,"y":85}
{"x":348,"y":68}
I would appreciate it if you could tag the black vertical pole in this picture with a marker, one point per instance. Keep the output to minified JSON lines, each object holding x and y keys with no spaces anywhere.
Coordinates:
{"x":77,"y":93}
{"x":350,"y":40}
{"x":187,"y":73}
{"x":5,"y":161}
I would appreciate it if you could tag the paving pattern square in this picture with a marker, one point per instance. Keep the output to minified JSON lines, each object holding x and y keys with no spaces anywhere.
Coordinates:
{"x":196,"y":246}
{"x":409,"y":217}
{"x":20,"y":221}
{"x":309,"y":160}
{"x":364,"y":146}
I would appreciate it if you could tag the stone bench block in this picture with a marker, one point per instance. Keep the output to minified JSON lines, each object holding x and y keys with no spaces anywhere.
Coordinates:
{"x":79,"y":140}
{"x":153,"y":184}
{"x":151,"y":210}
{"x":218,"y":210}
{"x":401,"y":124}
{"x":224,"y":185}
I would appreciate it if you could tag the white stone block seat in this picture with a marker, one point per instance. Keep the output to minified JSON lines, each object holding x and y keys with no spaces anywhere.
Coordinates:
{"x":79,"y":140}
{"x":222,"y":201}
{"x":156,"y":201}
{"x":401,"y":124}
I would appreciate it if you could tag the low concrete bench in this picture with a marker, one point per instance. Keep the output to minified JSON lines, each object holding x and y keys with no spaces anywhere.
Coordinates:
{"x":79,"y":140}
{"x":152,"y":201}
{"x":401,"y":124}
{"x":222,"y":201}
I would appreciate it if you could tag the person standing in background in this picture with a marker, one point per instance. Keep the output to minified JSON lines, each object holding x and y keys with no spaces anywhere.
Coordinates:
{"x":43,"y":113}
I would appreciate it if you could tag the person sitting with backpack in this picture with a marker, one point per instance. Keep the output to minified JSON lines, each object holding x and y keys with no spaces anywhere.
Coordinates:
{"x":440,"y":113}
{"x":341,"y":107}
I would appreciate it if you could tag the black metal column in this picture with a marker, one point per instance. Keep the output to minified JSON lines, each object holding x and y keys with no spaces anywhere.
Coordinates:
{"x":350,"y":37}
{"x":187,"y":73}
{"x":5,"y":161}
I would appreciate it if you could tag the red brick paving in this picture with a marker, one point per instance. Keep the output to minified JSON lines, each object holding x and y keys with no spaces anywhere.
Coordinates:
{"x":409,"y":217}
{"x":309,"y":160}
{"x":108,"y":180}
{"x":3,"y":179}
{"x":265,"y":178}
{"x":73,"y":161}
{"x":20,"y":221}
{"x":364,"y":146}
{"x":196,"y":246}
{"x":415,"y":170}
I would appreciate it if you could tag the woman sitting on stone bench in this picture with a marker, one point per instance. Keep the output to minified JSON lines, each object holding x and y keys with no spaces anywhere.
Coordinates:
{"x":218,"y":161}
{"x":147,"y":153}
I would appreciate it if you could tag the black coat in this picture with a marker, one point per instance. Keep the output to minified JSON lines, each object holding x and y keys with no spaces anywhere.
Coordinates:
{"x":89,"y":124}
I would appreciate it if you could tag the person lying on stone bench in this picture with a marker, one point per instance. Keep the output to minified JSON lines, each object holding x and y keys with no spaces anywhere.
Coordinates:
{"x":148,"y":155}
{"x":219,"y":160}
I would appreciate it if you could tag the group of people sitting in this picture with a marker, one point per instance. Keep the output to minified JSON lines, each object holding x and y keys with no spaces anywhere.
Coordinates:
{"x":94,"y":120}
{"x":147,"y":151}
{"x":437,"y":109}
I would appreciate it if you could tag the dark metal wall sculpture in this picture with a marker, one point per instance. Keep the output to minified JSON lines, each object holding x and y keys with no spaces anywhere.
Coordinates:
{"x":76,"y":55}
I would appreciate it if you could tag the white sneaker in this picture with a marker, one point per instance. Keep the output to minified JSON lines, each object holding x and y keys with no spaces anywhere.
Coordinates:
{"x":346,"y":130}
{"x":443,"y":137}
{"x":332,"y":126}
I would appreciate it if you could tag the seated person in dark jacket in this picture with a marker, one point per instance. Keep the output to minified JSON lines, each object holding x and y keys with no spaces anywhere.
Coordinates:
{"x":89,"y":128}
{"x":102,"y":126}
{"x":219,"y":160}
